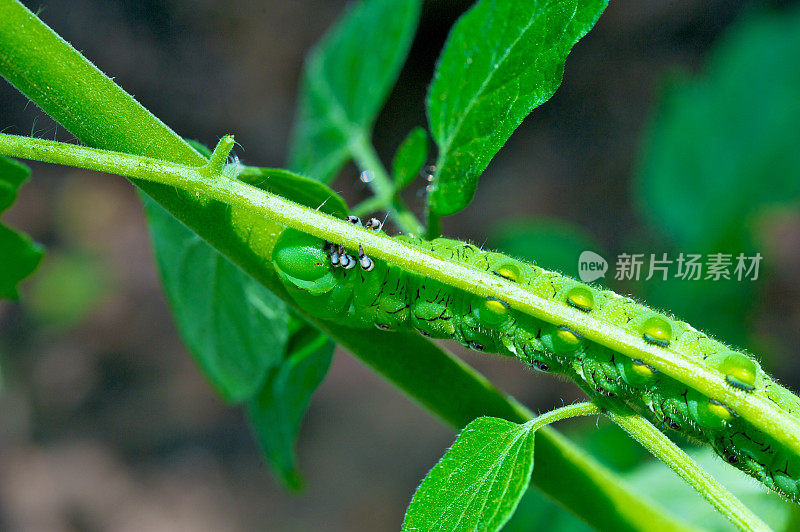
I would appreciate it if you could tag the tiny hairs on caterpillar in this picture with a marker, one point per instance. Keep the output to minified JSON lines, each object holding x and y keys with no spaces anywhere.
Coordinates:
{"x":351,"y":289}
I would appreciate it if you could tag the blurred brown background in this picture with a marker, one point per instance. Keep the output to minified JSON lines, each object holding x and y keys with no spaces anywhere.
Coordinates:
{"x":106,"y":423}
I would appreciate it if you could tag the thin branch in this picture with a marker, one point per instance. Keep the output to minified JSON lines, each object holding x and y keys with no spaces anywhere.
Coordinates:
{"x":665,"y":450}
{"x":586,"y":408}
{"x":383,"y":188}
{"x":754,"y":407}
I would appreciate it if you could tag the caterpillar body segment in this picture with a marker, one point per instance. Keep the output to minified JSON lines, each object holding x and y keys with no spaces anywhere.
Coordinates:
{"x":376,"y":294}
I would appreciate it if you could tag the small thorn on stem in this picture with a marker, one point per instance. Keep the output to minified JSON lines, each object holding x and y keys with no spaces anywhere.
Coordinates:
{"x":219,"y":158}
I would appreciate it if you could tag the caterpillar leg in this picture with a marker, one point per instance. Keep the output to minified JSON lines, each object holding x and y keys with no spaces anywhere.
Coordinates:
{"x":374,"y":224}
{"x":339,"y":257}
{"x":365,"y":262}
{"x":337,"y":254}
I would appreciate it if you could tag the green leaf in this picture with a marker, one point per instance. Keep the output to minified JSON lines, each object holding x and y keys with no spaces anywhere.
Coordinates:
{"x":233,"y":326}
{"x":300,"y":189}
{"x":409,"y":158}
{"x":724,"y":144}
{"x":552,"y":244}
{"x":19,"y":255}
{"x":346,"y":81}
{"x":720,"y":153}
{"x":277,"y":411}
{"x":502,"y":59}
{"x":12,"y":176}
{"x":478,"y":482}
{"x":432,"y":377}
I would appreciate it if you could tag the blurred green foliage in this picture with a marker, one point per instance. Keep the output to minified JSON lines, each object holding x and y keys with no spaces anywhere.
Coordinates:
{"x":723,"y":144}
{"x":67,"y":287}
{"x":409,"y":158}
{"x":720,"y":151}
{"x":343,"y":88}
{"x":536,"y":512}
{"x":277,"y":411}
{"x":551,"y":243}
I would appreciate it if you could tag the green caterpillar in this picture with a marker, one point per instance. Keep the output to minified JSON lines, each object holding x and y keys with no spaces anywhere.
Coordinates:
{"x":323,"y":279}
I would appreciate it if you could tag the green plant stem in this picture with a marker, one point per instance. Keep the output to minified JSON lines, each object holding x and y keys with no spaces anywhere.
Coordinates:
{"x":70,"y":89}
{"x":561,"y":460}
{"x":665,"y":450}
{"x":383,"y":188}
{"x":80,"y":97}
{"x":585,"y":408}
{"x":433,"y":229}
{"x":580,"y":483}
{"x":755,"y":408}
{"x":226,"y":189}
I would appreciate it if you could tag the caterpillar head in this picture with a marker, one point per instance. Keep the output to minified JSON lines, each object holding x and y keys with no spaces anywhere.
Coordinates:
{"x":303,"y":266}
{"x":300,"y":260}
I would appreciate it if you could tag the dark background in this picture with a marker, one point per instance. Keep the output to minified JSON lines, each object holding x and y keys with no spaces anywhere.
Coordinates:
{"x":106,"y":423}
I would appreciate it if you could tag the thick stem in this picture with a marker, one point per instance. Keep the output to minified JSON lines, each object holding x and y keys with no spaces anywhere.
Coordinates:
{"x":755,"y":408}
{"x":70,"y":89}
{"x":559,"y":460}
{"x":665,"y":450}
{"x":80,"y":97}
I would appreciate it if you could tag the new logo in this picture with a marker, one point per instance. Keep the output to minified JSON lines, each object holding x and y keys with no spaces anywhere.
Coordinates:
{"x":591,"y":266}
